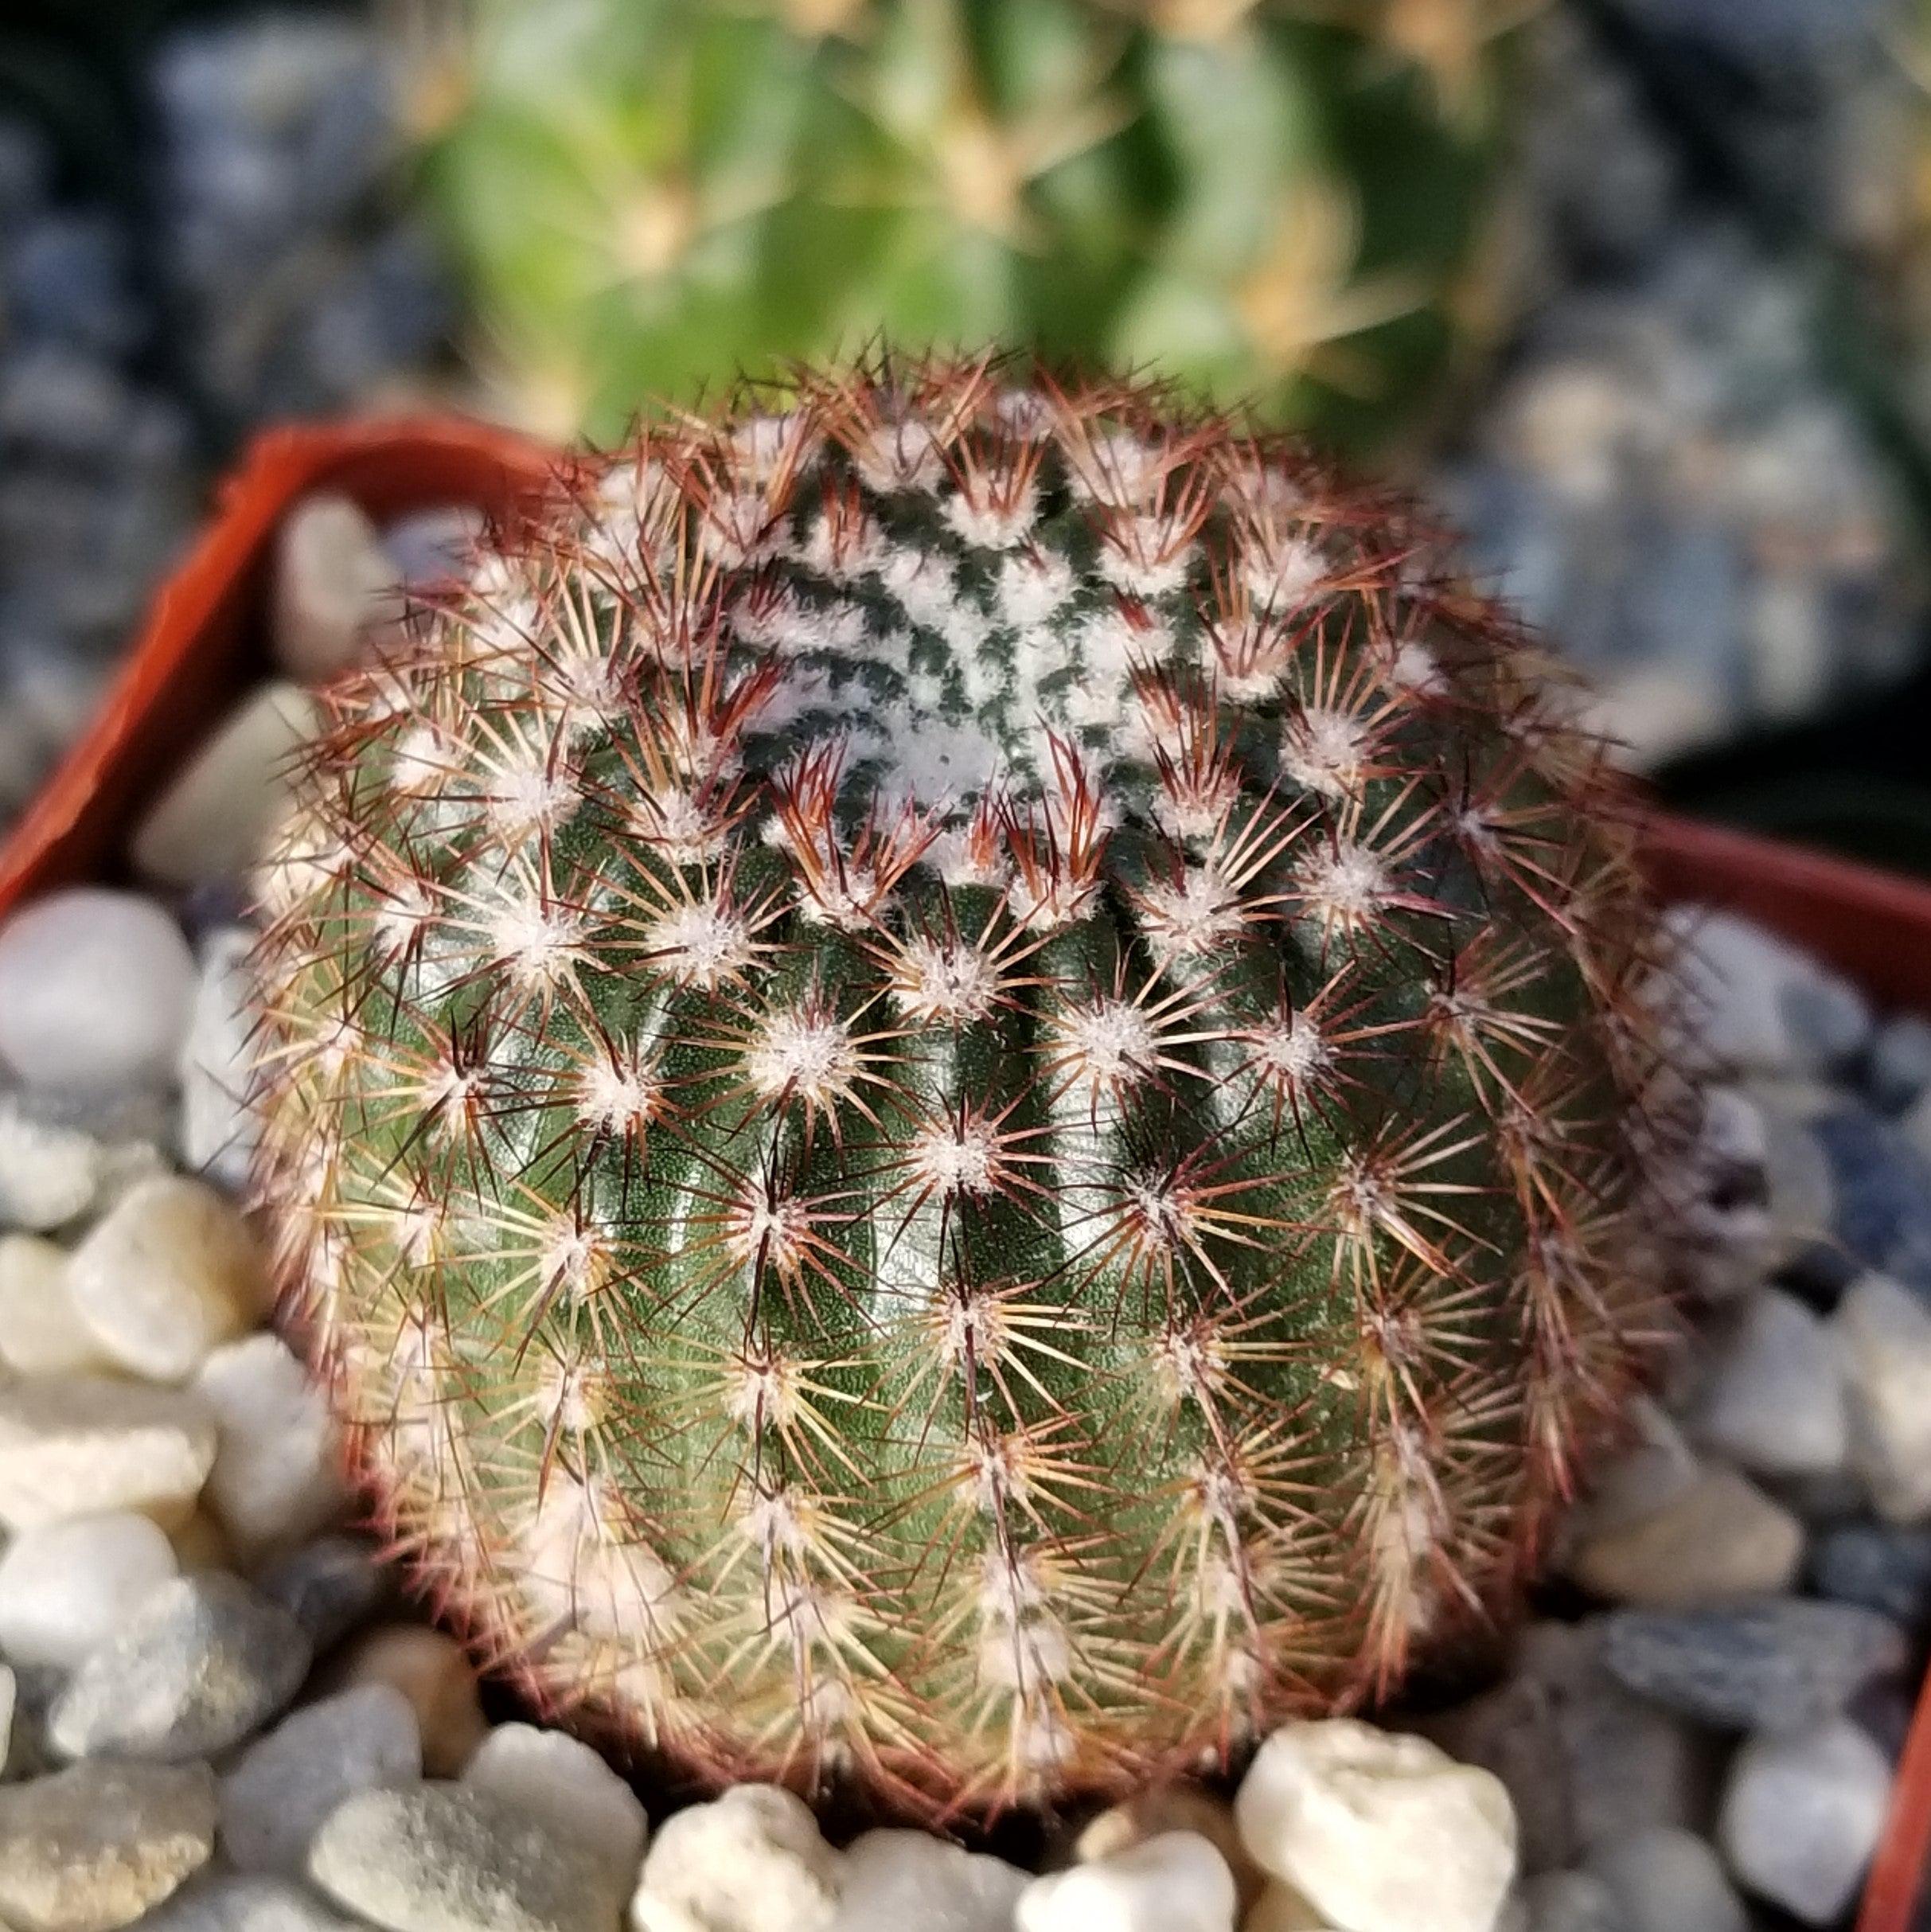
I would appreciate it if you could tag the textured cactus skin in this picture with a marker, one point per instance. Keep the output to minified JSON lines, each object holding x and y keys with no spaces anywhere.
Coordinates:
{"x":987,"y":1278}
{"x":1294,"y":201}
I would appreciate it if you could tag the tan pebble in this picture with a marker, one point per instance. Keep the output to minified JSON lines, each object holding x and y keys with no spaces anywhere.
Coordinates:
{"x":171,"y":1273}
{"x":1280,"y":1908}
{"x":430,"y":1669}
{"x":1175,"y":1808}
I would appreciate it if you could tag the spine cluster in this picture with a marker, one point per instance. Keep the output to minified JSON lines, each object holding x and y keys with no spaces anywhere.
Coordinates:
{"x":958,"y":1079}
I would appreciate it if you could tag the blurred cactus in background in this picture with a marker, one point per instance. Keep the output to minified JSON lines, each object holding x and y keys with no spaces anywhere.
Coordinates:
{"x":1285,"y":199}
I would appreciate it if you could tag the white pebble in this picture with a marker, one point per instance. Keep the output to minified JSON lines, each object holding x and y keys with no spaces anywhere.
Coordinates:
{"x":1774,"y":1399}
{"x":1802,"y":1815}
{"x":1756,"y":1001}
{"x":1175,"y":1882}
{"x":95,"y":991}
{"x":276,"y":1480}
{"x":895,"y":1881}
{"x":65,"y":1588}
{"x":57,"y":1166}
{"x":1886,"y":1334}
{"x":749,"y":1861}
{"x":1667,"y":1879}
{"x":212,"y":822}
{"x":217,"y":1130}
{"x":284,"y":1784}
{"x":73,"y":1445}
{"x":562,"y":1784}
{"x":1174,"y":1807}
{"x":170,"y":1274}
{"x":1379,"y":1831}
{"x":41,"y":1333}
{"x":334,"y":589}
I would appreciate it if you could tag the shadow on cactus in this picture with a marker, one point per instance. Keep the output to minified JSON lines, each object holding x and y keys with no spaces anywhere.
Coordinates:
{"x":956,"y":1079}
{"x":1292,"y":199}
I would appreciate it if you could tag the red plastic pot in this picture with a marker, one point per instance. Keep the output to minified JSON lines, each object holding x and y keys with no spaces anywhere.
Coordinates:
{"x":205,"y":644}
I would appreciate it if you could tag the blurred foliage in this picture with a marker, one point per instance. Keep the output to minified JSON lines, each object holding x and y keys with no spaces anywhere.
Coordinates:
{"x":1288,"y":201}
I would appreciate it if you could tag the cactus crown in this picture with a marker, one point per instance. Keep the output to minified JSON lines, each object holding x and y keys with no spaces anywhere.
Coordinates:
{"x":953,"y":1077}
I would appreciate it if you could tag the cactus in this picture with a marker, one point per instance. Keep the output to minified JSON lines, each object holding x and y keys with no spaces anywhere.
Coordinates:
{"x":1283,"y":199}
{"x":957,"y":1079}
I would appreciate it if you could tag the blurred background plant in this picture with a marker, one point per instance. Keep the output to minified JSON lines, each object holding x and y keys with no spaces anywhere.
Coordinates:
{"x":1639,"y":290}
{"x":1293,"y":201}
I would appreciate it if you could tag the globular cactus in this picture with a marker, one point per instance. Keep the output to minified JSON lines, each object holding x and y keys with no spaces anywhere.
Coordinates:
{"x":958,"y":1079}
{"x":1294,"y":200}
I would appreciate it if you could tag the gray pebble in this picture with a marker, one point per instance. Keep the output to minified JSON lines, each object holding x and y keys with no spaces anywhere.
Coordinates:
{"x":330,"y":1586}
{"x":1900,"y":1064}
{"x":1883,"y":1188}
{"x":444,"y":1857}
{"x":1885,"y":1568}
{"x":1571,"y":1901}
{"x":203,"y":1663}
{"x":1773,"y":1401}
{"x":1776,"y":1664}
{"x":284,"y":1784}
{"x":228,"y":1901}
{"x":1583,"y":1759}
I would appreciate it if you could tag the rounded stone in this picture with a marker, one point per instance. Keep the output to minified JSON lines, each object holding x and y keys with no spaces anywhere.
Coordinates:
{"x":228,"y":1902}
{"x":1718,"y":1537}
{"x":67,"y":1588}
{"x":41,"y":1333}
{"x":1376,"y":1829}
{"x":214,"y":820}
{"x":1778,"y":1664}
{"x":1176,"y":1808}
{"x":204,"y":1662}
{"x":1665,"y":1880}
{"x":170,"y":1273}
{"x":285,"y":1784}
{"x":1885,"y":1567}
{"x":335,"y":589}
{"x":893,"y":1881}
{"x":95,"y":988}
{"x":1570,"y":1902}
{"x":442,"y":1858}
{"x":90,"y":1848}
{"x":1774,"y":1401}
{"x":1802,"y":1815}
{"x":1175,"y":1882}
{"x":753,"y":1858}
{"x":328,"y":1586}
{"x":276,"y":1479}
{"x":74,"y":1446}
{"x":430,"y":1669}
{"x":560,"y":1781}
{"x":1885,"y":1331}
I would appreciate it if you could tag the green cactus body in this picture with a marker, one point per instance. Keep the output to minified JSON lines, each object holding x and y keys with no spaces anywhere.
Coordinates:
{"x":1275,"y":200}
{"x":953,"y":1079}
